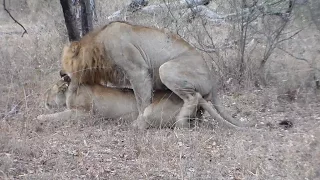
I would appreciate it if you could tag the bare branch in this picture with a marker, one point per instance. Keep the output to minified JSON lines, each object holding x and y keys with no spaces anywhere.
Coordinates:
{"x":207,"y":13}
{"x":275,"y":36}
{"x":290,"y":54}
{"x":152,"y":9}
{"x":182,"y":4}
{"x":290,"y":36}
{"x":5,"y":8}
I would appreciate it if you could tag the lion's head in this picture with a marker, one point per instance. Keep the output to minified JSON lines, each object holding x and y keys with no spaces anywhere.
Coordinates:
{"x":85,"y":63}
{"x":55,"y":97}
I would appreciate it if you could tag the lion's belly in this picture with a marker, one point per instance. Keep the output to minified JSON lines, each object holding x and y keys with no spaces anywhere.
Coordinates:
{"x":163,"y":112}
{"x":113,"y":109}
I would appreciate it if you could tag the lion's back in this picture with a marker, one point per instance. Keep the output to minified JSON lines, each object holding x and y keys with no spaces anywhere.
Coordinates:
{"x":112,"y":48}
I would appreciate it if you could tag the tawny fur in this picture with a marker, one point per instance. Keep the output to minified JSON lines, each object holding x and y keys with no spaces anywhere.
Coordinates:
{"x":112,"y":103}
{"x":118,"y":103}
{"x":150,"y":59}
{"x":89,"y":62}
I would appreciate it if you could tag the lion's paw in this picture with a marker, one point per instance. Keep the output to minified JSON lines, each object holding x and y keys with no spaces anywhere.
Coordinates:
{"x":139,"y":124}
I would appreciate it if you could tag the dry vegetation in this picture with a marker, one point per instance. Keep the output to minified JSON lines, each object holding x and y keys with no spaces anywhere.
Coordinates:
{"x":110,"y":149}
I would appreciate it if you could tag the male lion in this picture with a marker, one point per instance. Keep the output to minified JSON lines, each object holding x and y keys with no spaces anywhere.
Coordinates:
{"x":149,"y":59}
{"x":111,"y":103}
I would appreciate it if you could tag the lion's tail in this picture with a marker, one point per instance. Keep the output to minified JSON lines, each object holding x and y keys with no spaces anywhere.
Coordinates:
{"x":216,"y":103}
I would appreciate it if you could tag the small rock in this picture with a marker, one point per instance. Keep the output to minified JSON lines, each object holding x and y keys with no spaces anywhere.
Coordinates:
{"x":286,"y":124}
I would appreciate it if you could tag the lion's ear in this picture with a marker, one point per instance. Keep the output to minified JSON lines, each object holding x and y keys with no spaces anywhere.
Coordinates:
{"x":62,"y":73}
{"x":75,"y":47}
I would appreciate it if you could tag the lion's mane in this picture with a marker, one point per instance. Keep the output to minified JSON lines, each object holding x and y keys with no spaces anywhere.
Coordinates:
{"x":89,"y":63}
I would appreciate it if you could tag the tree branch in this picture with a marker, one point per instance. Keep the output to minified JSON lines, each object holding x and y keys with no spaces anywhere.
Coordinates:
{"x":284,"y":39}
{"x":4,"y":7}
{"x":182,"y":4}
{"x":290,"y":54}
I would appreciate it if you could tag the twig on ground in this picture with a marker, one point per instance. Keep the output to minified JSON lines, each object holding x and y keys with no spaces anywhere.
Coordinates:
{"x":16,"y":107}
{"x":14,"y":110}
{"x":4,"y":7}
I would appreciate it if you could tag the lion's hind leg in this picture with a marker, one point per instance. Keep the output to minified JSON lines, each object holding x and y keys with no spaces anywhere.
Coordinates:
{"x":184,"y":81}
{"x":188,"y":110}
{"x":190,"y":102}
{"x":189,"y":106}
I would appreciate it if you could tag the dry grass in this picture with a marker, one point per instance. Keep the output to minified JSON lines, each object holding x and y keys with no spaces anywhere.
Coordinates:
{"x":105,"y":149}
{"x":110,"y":149}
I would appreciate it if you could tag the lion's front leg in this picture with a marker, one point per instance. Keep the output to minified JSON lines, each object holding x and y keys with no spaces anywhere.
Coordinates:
{"x":141,"y":83}
{"x":64,"y":115}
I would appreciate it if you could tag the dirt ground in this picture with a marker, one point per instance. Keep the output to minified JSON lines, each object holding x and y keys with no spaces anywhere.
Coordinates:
{"x":110,"y":149}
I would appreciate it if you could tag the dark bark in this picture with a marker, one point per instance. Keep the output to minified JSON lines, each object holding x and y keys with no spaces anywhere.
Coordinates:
{"x":78,"y":17}
{"x":70,"y":20}
{"x":88,"y":13}
{"x":83,"y":18}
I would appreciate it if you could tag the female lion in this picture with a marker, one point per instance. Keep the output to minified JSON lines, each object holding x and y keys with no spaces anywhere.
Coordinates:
{"x":114,"y":103}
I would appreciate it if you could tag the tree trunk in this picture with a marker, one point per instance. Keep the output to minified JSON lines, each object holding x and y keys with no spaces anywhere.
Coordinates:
{"x":78,"y":16}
